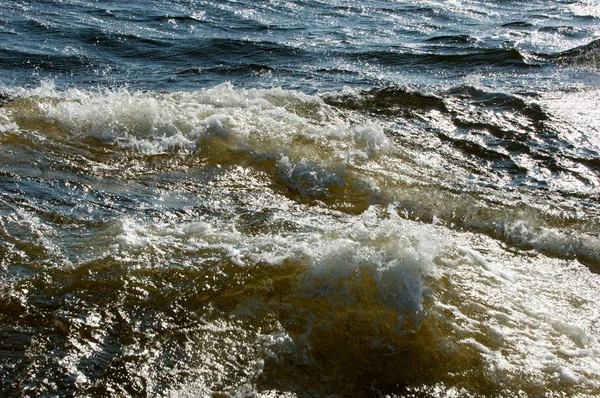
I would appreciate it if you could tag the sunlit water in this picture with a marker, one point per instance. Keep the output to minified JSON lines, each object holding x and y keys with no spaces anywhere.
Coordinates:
{"x":299,"y":198}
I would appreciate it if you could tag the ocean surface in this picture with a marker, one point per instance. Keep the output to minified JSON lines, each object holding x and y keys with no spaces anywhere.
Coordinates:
{"x":300,"y":198}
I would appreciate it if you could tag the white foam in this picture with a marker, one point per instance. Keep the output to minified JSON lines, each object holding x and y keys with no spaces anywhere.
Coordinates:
{"x":561,"y":242}
{"x":396,"y":253}
{"x":480,"y":259}
{"x":309,"y":178}
{"x":586,"y":8}
{"x":9,"y":127}
{"x":540,"y":326}
{"x":312,"y":143}
{"x":315,"y":147}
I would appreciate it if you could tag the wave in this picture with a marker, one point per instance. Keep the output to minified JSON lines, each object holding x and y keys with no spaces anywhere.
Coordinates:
{"x":50,"y":62}
{"x":259,"y":298}
{"x":456,"y":39}
{"x":586,"y":56}
{"x":387,"y":101}
{"x":274,"y":291}
{"x":468,"y":59}
{"x":5,"y":98}
{"x":518,"y":24}
{"x":430,"y":230}
{"x":349,"y":149}
{"x":235,"y":69}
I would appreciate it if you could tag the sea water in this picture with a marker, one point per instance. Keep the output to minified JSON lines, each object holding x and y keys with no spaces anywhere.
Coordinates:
{"x":299,"y":198}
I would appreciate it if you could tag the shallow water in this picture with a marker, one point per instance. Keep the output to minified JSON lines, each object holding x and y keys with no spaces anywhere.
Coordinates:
{"x":299,"y":199}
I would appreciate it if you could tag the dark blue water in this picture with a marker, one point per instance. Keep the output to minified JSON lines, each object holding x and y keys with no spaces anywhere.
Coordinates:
{"x":179,"y":45}
{"x":299,"y":198}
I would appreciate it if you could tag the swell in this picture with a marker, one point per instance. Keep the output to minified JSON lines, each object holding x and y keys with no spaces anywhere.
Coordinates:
{"x":28,"y":60}
{"x":206,"y":52}
{"x":452,"y":39}
{"x":233,"y":70}
{"x":465,"y":59}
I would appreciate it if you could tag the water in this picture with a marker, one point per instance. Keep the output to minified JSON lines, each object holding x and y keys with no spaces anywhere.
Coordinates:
{"x":299,"y":198}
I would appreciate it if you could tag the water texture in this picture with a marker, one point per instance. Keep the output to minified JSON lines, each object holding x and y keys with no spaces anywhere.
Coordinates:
{"x":299,"y":199}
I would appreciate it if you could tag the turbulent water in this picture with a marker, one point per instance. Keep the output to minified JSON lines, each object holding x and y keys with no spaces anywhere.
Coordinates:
{"x":300,"y":198}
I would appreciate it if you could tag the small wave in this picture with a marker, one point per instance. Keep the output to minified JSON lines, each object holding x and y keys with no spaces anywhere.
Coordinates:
{"x":457,"y":39}
{"x":128,"y":45}
{"x":236,"y":69}
{"x":518,"y":24}
{"x":555,"y":241}
{"x":499,"y":100}
{"x":587,"y":56}
{"x":563,"y":30}
{"x":387,"y":101}
{"x":465,"y":60}
{"x":49,"y":62}
{"x":252,"y":47}
{"x":5,"y":97}
{"x":178,"y":17}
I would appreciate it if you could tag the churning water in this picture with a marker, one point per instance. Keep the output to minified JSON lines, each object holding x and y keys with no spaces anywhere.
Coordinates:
{"x":299,"y":198}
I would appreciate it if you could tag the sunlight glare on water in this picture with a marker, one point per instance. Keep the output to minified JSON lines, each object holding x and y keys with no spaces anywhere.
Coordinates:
{"x":298,"y":199}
